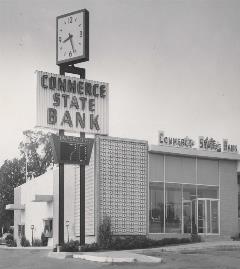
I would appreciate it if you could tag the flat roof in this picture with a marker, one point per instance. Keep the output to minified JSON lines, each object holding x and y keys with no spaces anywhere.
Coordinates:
{"x":193,"y":152}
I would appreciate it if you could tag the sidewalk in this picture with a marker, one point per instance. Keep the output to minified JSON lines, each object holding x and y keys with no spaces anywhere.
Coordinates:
{"x":25,"y":248}
{"x":121,"y":256}
{"x":218,"y":245}
{"x":141,"y":255}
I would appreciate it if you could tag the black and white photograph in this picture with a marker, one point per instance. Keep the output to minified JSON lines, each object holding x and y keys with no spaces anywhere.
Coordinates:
{"x":119,"y":138}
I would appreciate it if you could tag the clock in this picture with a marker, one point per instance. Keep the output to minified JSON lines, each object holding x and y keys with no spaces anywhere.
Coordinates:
{"x":72,"y":37}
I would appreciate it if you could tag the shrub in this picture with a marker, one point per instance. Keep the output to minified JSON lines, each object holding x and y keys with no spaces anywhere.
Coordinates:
{"x":236,"y":237}
{"x":131,"y":242}
{"x":10,"y":242}
{"x":37,"y":243}
{"x":9,"y":237}
{"x":90,"y":247}
{"x":105,"y":234}
{"x":44,"y":240}
{"x":24,"y":242}
{"x":71,"y":246}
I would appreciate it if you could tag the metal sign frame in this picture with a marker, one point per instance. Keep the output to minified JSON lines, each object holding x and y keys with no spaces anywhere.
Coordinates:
{"x":71,"y":150}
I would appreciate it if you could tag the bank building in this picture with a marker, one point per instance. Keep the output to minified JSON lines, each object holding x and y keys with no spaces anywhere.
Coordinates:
{"x":163,"y":190}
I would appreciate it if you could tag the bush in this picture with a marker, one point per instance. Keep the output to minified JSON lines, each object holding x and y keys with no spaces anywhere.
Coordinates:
{"x":132,"y":242}
{"x":24,"y":242}
{"x":105,"y":234}
{"x":44,"y":240}
{"x":107,"y":241}
{"x":37,"y":243}
{"x":90,"y":247}
{"x":236,"y":237}
{"x":9,"y":237}
{"x":10,"y":242}
{"x":71,"y":246}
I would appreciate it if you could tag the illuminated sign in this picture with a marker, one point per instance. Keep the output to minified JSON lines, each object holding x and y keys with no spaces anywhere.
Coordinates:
{"x":175,"y":142}
{"x":207,"y":143}
{"x":228,"y":147}
{"x":71,"y":150}
{"x":72,"y":104}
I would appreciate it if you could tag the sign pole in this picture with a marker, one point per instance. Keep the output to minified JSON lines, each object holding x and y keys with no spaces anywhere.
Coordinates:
{"x":81,"y":73}
{"x":61,"y":193}
{"x":82,"y":201}
{"x":61,"y":200}
{"x":82,"y":192}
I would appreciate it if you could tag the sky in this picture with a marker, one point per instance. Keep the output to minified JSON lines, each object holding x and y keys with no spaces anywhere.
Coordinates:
{"x":171,"y":65}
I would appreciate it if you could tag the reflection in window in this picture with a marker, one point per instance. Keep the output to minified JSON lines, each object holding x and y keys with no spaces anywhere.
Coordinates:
{"x":173,"y":208}
{"x":156,"y":213}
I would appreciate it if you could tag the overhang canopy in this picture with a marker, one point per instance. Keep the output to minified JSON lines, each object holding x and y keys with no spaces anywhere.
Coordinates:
{"x":43,"y":198}
{"x":15,"y":207}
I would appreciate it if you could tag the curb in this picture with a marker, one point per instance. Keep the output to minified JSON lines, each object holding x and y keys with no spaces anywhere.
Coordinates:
{"x":106,"y":259}
{"x":60,"y":255}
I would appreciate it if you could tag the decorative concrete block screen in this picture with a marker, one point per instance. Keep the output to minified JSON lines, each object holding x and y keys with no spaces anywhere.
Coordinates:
{"x":121,"y":172}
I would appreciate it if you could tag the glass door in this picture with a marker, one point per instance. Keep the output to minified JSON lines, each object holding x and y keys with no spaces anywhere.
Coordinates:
{"x":207,"y":216}
{"x":201,"y":216}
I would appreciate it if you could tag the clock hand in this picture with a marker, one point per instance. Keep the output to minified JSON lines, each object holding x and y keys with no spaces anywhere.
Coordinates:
{"x":69,"y":37}
{"x":65,"y":40}
{"x":72,"y":44}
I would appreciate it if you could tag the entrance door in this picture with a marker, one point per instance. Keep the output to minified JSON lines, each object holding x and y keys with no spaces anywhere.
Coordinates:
{"x":207,"y":215}
{"x":201,"y":216}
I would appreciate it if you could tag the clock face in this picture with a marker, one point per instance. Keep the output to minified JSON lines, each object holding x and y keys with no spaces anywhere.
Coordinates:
{"x":72,"y":34}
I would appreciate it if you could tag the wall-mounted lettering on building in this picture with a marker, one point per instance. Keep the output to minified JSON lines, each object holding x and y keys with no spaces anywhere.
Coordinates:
{"x":208,"y":143}
{"x":228,"y":147}
{"x":72,"y":104}
{"x":175,"y":142}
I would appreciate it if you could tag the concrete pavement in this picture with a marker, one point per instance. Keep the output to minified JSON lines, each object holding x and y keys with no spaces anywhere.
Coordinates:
{"x":141,"y":255}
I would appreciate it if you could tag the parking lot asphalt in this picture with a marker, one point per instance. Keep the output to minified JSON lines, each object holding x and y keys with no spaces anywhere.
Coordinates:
{"x":206,"y":259}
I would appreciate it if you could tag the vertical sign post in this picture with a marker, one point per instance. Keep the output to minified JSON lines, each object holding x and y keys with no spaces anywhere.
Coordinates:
{"x":61,"y":200}
{"x":82,"y":201}
{"x":81,"y":73}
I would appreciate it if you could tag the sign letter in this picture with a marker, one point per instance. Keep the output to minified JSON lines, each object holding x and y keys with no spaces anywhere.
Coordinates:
{"x":51,"y":116}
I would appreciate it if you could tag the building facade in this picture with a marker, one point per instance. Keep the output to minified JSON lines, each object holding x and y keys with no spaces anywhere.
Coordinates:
{"x":157,"y":191}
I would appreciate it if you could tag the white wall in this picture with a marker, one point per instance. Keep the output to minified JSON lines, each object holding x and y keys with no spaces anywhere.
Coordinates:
{"x":35,"y":212}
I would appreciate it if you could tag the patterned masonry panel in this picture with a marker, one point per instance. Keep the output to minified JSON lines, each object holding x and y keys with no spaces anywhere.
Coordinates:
{"x":122,"y":184}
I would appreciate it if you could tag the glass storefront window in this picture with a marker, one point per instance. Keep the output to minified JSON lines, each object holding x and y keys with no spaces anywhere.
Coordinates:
{"x":189,"y":192}
{"x":156,"y":212}
{"x":207,"y":191}
{"x":173,"y":208}
{"x":187,"y":207}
